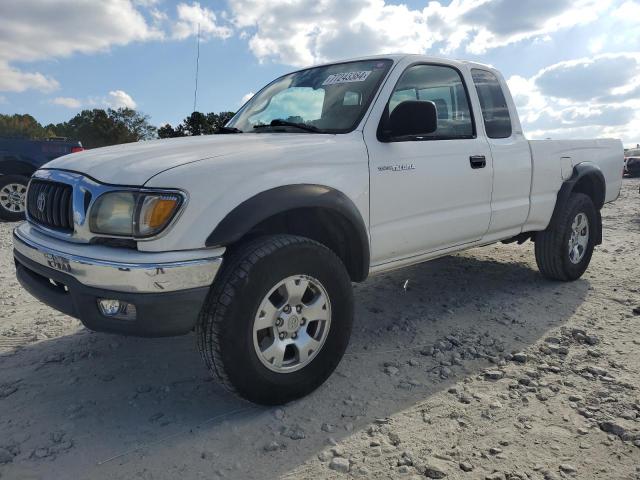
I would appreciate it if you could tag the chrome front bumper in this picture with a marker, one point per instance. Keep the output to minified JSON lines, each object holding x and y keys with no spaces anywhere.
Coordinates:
{"x":119,"y":270}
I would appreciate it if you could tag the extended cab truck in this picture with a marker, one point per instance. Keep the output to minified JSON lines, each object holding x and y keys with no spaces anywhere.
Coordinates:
{"x":326,"y":176}
{"x":19,"y":158}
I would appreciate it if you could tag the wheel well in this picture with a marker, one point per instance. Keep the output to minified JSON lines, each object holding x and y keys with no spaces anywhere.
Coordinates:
{"x":592,"y":186}
{"x":323,"y":225}
{"x":588,"y":180}
{"x":16,"y":167}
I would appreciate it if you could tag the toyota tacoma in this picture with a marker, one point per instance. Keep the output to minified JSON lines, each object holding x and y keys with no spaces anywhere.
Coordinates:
{"x":328,"y":175}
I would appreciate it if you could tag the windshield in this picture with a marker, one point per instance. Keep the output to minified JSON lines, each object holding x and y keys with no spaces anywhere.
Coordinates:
{"x":632,"y":153}
{"x":327,"y":99}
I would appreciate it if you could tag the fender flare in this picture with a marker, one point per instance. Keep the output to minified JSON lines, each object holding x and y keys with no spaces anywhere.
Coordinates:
{"x":580,"y":172}
{"x":277,"y":200}
{"x":13,"y":166}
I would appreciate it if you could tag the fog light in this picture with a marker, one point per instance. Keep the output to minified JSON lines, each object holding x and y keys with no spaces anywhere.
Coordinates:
{"x":109,"y":308}
{"x":117,"y":309}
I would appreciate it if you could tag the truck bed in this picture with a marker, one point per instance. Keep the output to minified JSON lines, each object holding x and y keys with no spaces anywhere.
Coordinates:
{"x":553,"y":162}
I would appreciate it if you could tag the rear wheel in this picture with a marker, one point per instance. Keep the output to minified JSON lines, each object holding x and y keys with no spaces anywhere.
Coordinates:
{"x":563,"y":251}
{"x":13,"y":194}
{"x":278,"y":319}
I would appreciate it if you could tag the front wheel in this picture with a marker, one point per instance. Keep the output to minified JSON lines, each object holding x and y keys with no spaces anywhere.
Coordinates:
{"x":563,"y":251}
{"x":13,"y":193}
{"x":278,"y":319}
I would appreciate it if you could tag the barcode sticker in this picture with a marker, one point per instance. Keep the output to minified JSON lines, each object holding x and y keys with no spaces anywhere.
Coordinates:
{"x":347,"y":77}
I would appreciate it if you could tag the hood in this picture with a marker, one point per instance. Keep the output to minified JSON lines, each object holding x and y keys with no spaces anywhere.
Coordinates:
{"x":135,"y":163}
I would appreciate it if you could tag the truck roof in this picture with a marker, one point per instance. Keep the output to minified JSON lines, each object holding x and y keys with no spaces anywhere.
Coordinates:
{"x":400,"y":56}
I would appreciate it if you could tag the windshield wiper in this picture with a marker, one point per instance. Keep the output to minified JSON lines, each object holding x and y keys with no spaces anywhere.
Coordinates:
{"x":229,"y":130}
{"x":283,"y":123}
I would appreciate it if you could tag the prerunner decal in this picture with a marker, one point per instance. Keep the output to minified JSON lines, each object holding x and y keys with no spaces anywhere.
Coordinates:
{"x":347,"y":77}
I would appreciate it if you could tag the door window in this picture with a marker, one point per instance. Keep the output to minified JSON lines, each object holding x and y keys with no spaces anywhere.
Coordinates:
{"x":445,"y":88}
{"x":495,"y":111}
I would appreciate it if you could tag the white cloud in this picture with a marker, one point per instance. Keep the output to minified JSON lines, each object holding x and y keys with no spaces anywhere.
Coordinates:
{"x":588,"y":97}
{"x":120,"y":99}
{"x":114,"y":99}
{"x":35,"y":30}
{"x":496,"y":23}
{"x":14,"y":80}
{"x":596,"y":44}
{"x":68,"y":102}
{"x":297,"y":33}
{"x":604,"y":73}
{"x":32,"y":30}
{"x":3,"y":100}
{"x":629,"y":11}
{"x":246,"y":97}
{"x":194,"y":15}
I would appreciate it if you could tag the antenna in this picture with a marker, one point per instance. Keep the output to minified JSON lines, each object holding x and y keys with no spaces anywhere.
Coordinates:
{"x":195,"y":92}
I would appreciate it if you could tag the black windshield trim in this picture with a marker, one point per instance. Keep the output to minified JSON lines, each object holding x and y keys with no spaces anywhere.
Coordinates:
{"x":225,"y":129}
{"x":283,"y":123}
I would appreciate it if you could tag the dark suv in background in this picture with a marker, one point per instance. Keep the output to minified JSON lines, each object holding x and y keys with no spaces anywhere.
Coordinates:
{"x":632,"y":162}
{"x":19,"y":158}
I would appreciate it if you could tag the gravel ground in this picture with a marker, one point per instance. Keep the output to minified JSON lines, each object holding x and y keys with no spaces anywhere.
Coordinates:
{"x":467,"y":367}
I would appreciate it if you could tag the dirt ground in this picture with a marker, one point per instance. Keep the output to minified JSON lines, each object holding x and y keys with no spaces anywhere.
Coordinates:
{"x":478,"y":369}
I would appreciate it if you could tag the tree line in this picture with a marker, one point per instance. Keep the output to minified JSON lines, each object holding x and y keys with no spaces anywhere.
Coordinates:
{"x":100,"y":128}
{"x":196,"y":124}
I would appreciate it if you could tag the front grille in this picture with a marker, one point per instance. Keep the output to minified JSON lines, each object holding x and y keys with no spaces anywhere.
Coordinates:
{"x":50,"y":204}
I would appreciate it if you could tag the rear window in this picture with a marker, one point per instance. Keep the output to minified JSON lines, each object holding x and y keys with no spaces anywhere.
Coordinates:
{"x":495,"y":111}
{"x":51,"y":147}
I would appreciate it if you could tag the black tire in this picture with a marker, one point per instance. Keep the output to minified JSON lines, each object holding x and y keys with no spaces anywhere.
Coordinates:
{"x":225,"y":328}
{"x":552,"y":244}
{"x":6,"y":213}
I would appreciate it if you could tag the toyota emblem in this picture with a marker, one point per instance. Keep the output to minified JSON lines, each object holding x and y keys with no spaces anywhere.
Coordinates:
{"x":42,"y":202}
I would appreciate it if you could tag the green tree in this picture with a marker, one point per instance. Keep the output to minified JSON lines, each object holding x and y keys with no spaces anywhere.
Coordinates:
{"x":23,"y":126}
{"x":99,"y":128}
{"x":218,"y":120}
{"x":166,"y":131}
{"x":136,"y":123}
{"x":197,"y":123}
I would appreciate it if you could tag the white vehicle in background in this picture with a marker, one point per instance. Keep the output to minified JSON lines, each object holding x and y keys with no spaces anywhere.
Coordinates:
{"x":326,"y":176}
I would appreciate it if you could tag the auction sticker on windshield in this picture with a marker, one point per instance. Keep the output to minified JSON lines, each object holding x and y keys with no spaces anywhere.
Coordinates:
{"x":347,"y":77}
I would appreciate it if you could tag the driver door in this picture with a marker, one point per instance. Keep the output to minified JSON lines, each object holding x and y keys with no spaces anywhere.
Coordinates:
{"x":433,"y":191}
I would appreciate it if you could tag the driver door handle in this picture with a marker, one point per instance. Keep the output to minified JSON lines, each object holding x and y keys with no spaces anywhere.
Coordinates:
{"x":478,"y":161}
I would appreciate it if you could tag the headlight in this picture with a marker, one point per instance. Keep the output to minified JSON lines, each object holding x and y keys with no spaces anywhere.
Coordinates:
{"x":133,"y":214}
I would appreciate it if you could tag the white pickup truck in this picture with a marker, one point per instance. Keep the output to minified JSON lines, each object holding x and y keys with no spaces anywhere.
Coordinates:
{"x":326,"y":176}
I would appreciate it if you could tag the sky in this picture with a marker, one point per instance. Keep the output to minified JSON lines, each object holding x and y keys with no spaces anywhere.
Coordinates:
{"x":572,"y":65}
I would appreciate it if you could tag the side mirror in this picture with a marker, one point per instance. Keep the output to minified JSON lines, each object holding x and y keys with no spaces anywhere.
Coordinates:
{"x":412,"y":118}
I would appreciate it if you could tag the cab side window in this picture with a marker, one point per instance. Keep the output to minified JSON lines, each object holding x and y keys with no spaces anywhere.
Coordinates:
{"x":495,"y":111}
{"x":445,"y":88}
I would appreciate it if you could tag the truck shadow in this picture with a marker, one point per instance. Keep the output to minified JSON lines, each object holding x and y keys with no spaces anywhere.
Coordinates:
{"x":102,"y":406}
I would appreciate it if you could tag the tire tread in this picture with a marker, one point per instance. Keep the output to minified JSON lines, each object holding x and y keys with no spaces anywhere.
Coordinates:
{"x":236,"y":267}
{"x":549,"y":243}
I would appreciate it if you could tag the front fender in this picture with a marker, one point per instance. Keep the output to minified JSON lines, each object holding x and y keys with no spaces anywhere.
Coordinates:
{"x":281,"y":199}
{"x":295,"y":168}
